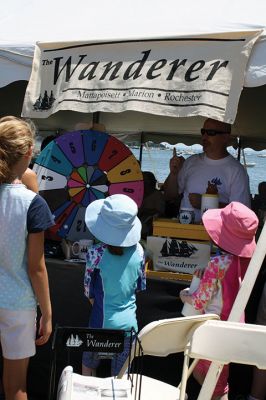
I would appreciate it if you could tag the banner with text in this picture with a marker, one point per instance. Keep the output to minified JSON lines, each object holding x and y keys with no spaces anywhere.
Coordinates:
{"x":178,"y":77}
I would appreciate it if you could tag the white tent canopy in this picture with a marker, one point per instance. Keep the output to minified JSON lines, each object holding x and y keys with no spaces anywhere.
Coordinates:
{"x":24,"y":22}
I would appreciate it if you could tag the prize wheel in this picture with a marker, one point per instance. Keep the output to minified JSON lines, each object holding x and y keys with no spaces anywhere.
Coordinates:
{"x":79,"y":167}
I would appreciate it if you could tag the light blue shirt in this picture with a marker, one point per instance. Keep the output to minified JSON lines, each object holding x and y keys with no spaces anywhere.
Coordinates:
{"x":16,"y":292}
{"x":112,"y":281}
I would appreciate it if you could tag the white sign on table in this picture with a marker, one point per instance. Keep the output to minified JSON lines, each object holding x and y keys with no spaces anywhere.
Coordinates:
{"x":178,"y":255}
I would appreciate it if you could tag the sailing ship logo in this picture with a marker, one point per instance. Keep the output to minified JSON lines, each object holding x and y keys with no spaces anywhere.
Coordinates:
{"x":173,"y":247}
{"x":216,"y":181}
{"x":74,"y":341}
{"x":44,"y":102}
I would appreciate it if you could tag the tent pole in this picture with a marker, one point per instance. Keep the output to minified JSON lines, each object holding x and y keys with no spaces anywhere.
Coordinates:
{"x":96,"y":117}
{"x":141,"y":148}
{"x":239,"y":149}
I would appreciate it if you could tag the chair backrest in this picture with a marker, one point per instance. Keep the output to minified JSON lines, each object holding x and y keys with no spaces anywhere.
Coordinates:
{"x":168,"y":336}
{"x":225,"y":342}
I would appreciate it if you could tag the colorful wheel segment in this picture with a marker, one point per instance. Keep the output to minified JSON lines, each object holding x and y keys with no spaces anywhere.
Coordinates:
{"x":80,"y":167}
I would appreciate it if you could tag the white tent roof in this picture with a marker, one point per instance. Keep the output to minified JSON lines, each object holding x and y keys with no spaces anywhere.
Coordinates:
{"x":24,"y":22}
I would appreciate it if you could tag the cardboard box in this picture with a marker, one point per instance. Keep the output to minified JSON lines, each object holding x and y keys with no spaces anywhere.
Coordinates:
{"x":172,"y":276}
{"x":177,"y":255}
{"x":166,"y":275}
{"x":171,"y":228}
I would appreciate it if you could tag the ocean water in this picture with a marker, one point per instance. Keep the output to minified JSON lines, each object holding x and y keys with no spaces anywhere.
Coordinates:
{"x":157,"y":161}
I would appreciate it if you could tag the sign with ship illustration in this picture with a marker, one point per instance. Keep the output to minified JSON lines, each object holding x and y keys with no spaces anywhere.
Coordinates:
{"x":173,"y":247}
{"x":74,"y":341}
{"x":178,"y":255}
{"x":95,"y":340}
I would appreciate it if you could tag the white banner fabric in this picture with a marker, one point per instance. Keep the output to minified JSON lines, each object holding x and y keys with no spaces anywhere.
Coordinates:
{"x":180,"y":77}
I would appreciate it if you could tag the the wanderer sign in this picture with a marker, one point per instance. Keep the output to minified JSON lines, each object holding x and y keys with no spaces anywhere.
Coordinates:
{"x":178,"y":77}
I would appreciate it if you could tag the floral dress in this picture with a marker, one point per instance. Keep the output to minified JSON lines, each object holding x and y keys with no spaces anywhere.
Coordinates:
{"x":220,"y":284}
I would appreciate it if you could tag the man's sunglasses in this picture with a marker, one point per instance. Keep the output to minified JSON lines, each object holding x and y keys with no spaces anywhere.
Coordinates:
{"x":212,"y":132}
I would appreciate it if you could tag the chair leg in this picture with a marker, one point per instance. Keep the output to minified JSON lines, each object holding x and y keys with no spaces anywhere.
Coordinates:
{"x":190,"y":370}
{"x":185,"y":372}
{"x":210,"y":381}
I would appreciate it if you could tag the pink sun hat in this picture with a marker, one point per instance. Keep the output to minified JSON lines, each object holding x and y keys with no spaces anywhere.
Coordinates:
{"x":232,"y":228}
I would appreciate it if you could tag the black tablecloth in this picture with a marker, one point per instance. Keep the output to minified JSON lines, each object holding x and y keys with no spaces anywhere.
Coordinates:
{"x":71,"y":308}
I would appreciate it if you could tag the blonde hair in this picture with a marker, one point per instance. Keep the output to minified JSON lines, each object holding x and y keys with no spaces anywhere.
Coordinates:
{"x":16,"y":138}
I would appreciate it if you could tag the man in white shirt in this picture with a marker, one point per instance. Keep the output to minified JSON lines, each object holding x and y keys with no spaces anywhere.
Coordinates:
{"x":214,"y":165}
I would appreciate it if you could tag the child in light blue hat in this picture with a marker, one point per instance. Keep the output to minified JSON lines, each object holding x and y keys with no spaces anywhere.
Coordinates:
{"x":115,"y":270}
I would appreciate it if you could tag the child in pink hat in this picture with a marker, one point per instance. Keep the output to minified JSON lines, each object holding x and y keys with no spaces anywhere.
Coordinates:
{"x":232,"y":229}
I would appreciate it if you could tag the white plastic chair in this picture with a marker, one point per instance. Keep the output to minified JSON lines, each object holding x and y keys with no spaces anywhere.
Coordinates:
{"x":161,"y":338}
{"x":74,"y":386}
{"x":223,"y":342}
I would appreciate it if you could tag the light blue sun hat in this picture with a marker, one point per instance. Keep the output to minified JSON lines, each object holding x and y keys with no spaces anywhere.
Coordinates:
{"x":114,"y":220}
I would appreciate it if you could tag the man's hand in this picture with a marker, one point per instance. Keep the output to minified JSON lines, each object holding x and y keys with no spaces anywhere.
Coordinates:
{"x":170,"y":186}
{"x":176,"y":164}
{"x":195,"y":200}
